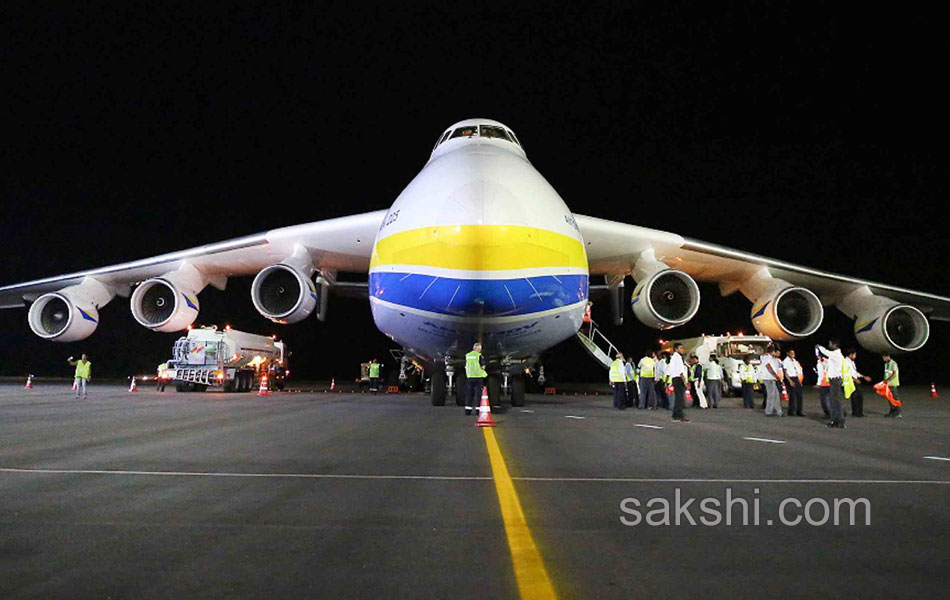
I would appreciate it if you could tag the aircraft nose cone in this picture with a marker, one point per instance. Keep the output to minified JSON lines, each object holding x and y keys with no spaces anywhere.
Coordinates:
{"x":482,"y":202}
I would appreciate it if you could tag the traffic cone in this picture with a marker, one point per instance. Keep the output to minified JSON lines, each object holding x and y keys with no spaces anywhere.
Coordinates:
{"x":75,"y":384}
{"x":484,"y":412}
{"x":132,"y":386}
{"x":933,"y":390}
{"x":784,"y":393}
{"x":333,"y":384}
{"x":29,"y":383}
{"x":688,"y":397}
{"x":263,"y":389}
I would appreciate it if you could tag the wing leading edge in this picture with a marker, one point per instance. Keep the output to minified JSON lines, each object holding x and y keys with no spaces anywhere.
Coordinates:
{"x":341,"y":244}
{"x":614,"y":248}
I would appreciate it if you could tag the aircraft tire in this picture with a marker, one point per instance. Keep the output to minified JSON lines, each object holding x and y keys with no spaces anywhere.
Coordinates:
{"x":438,"y":388}
{"x":517,"y":389}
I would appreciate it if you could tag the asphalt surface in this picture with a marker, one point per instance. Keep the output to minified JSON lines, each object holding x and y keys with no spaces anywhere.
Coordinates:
{"x":347,"y":495}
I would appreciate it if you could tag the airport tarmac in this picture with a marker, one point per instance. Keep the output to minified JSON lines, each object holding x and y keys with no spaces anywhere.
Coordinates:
{"x":351,"y":495}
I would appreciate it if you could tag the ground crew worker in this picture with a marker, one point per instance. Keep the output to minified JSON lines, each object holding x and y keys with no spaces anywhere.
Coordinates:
{"x":695,"y":377}
{"x":374,"y":376}
{"x":618,"y":380}
{"x":712,"y":373}
{"x":83,"y":374}
{"x":162,"y":379}
{"x":833,"y":371}
{"x":676,"y":371}
{"x":857,"y":398}
{"x":647,"y":395}
{"x":770,"y":375}
{"x":476,"y":374}
{"x":632,"y":377}
{"x":659,"y":377}
{"x":892,"y":379}
{"x":747,"y":375}
{"x":824,"y":386}
{"x":795,"y":376}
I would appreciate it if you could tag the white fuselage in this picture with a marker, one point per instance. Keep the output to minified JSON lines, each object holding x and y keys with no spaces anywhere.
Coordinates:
{"x":478,"y":247}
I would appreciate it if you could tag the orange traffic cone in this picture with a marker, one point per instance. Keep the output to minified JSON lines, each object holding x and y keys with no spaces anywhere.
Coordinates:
{"x":784,"y":393}
{"x":263,"y":389}
{"x":132,"y":386}
{"x":688,"y":397}
{"x":484,"y":412}
{"x":333,"y":384}
{"x":75,"y":384}
{"x":933,"y":390}
{"x":29,"y":383}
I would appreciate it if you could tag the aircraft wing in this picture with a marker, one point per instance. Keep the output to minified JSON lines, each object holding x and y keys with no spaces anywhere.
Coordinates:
{"x":614,"y":249}
{"x":343,"y":244}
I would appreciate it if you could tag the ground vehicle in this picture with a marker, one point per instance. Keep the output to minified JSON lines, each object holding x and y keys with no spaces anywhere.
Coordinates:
{"x":730,"y":349}
{"x":231,"y":360}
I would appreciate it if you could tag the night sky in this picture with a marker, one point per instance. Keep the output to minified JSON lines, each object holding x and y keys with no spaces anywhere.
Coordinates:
{"x":801,"y":134}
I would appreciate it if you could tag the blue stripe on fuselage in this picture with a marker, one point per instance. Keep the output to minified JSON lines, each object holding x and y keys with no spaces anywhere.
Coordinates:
{"x":479,"y":297}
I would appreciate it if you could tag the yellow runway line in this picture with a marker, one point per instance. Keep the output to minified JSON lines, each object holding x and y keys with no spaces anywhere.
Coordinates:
{"x":532,"y":577}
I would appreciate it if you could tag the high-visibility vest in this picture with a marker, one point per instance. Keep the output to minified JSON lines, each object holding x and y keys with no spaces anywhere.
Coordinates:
{"x":890,"y":368}
{"x":473,"y":365}
{"x":374,"y":369}
{"x":714,"y":371}
{"x":617,"y":371}
{"x":83,"y":369}
{"x":646,"y":366}
{"x":631,"y":372}
{"x":847,"y":381}
{"x":747,"y":373}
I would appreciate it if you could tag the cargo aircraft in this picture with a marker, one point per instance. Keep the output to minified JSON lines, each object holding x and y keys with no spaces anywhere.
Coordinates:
{"x":478,"y":247}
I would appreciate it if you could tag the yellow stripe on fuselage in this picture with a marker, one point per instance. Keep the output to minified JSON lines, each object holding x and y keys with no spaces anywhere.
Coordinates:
{"x":480,"y":248}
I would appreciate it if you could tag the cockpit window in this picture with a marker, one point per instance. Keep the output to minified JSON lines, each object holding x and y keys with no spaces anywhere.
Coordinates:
{"x":512,"y":134}
{"x":444,"y":137}
{"x":467,"y":131}
{"x":490,"y":131}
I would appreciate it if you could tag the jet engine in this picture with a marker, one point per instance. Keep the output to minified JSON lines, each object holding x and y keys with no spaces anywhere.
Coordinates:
{"x":787,"y":313}
{"x":892,"y":327}
{"x":667,"y":298}
{"x":284,"y":294}
{"x":63,"y":317}
{"x":163,"y":304}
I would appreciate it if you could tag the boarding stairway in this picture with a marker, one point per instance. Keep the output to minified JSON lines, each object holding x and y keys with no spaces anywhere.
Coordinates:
{"x":596,"y":343}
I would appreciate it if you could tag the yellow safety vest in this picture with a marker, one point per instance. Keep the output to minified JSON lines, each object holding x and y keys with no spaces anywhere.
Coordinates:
{"x":646,"y":366}
{"x":890,"y":367}
{"x":847,"y":381}
{"x":747,"y":372}
{"x":83,"y":369}
{"x":473,"y":366}
{"x":374,"y":369}
{"x":617,"y":371}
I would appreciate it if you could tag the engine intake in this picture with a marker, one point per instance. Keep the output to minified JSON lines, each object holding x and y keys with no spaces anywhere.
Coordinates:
{"x":284,"y":294}
{"x":162,"y":305}
{"x":665,"y":299}
{"x":894,"y":328}
{"x":788,"y":313}
{"x":61,"y":317}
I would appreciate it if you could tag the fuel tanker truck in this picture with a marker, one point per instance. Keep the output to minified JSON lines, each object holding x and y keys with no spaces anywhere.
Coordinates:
{"x":228,"y":360}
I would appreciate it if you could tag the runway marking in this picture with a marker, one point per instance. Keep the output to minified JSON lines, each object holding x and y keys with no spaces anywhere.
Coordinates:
{"x":937,"y":458}
{"x":573,"y":417}
{"x":766,"y":440}
{"x":645,"y":426}
{"x":532,"y":577}
{"x":27,"y":471}
{"x":526,"y":411}
{"x":239,"y":475}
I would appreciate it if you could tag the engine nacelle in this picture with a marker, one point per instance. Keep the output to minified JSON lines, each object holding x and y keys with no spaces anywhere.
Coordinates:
{"x":787,"y":313}
{"x":163,"y":304}
{"x":63,"y":316}
{"x":284,"y":294}
{"x":892,"y":327}
{"x":667,"y":298}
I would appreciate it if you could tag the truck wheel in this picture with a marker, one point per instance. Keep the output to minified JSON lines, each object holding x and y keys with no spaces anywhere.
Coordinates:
{"x":230,"y":384}
{"x":517,"y":389}
{"x":179,"y":387}
{"x":461,"y":388}
{"x":438,"y":387}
